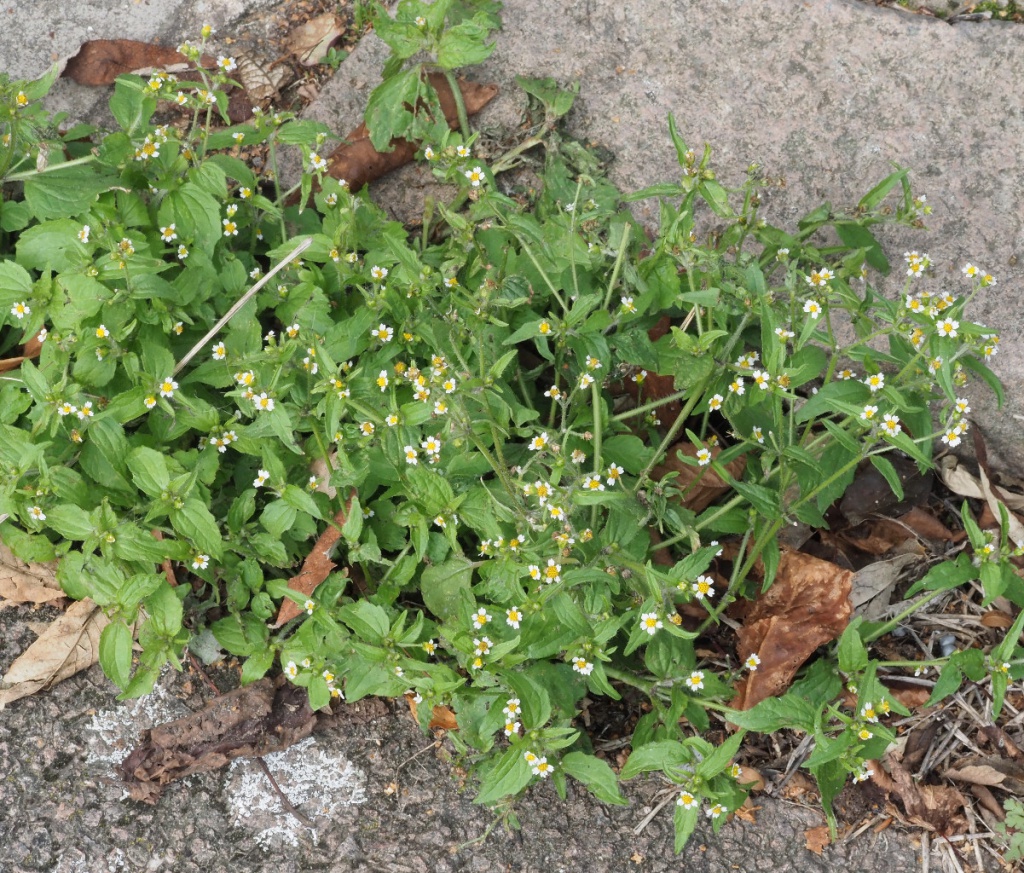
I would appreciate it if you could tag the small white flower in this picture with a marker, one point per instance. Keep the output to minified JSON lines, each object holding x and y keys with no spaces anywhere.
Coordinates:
{"x":650,"y":622}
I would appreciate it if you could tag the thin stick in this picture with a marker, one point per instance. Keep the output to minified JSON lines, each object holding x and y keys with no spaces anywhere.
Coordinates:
{"x":245,"y":298}
{"x":926,"y":853}
{"x":434,"y":745}
{"x":285,"y":802}
{"x":647,"y":819}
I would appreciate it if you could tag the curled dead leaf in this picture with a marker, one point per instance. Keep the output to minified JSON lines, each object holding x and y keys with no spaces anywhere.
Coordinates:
{"x":255,"y":720}
{"x":872,"y":586}
{"x":311,"y":41}
{"x":29,"y":350}
{"x":991,"y":771}
{"x":27,"y":583}
{"x":808,"y":605}
{"x":69,"y":645}
{"x":701,"y":486}
{"x":317,"y":566}
{"x":958,"y":479}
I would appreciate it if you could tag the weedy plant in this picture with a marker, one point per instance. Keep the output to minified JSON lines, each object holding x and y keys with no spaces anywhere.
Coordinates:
{"x":470,"y":408}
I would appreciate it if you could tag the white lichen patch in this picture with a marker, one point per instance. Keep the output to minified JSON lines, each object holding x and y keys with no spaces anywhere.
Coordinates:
{"x":113,"y":733}
{"x":316,"y":781}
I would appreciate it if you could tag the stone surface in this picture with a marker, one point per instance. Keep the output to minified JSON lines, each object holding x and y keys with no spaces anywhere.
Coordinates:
{"x":828,"y":95}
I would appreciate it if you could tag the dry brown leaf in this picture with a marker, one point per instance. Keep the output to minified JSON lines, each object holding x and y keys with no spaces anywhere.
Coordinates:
{"x":255,"y":720}
{"x":1008,"y":775}
{"x":817,"y":839}
{"x":27,"y":583}
{"x":871,"y":587}
{"x":70,"y":644}
{"x":311,"y":41}
{"x":961,"y":481}
{"x":261,"y":82}
{"x":101,"y":61}
{"x":927,"y":526}
{"x":995,"y":618}
{"x":933,"y":807}
{"x":876,"y":536}
{"x":807,"y":605}
{"x":316,"y":567}
{"x":799,"y":787}
{"x":751,"y":779}
{"x":440,"y":716}
{"x":29,"y":350}
{"x":747,"y":811}
{"x":359,"y":163}
{"x":701,"y":486}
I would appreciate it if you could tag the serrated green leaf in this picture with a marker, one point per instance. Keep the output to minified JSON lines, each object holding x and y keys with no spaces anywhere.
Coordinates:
{"x":447,"y":590}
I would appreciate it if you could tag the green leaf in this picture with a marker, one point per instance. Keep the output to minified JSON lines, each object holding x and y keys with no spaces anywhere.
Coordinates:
{"x":116,"y":653}
{"x":149,"y":470}
{"x":660,"y":755}
{"x":853,"y":656}
{"x":946,"y":575}
{"x":533,"y":699}
{"x":130,"y":105}
{"x":195,"y":215}
{"x":196,"y":523}
{"x":509,"y":775}
{"x":557,"y":101}
{"x":15,"y":283}
{"x":52,"y":245}
{"x":429,"y":490}
{"x":278,"y":517}
{"x":685,"y":821}
{"x":301,"y":500}
{"x":66,"y":191}
{"x":447,"y":590}
{"x":387,"y":111}
{"x":775,"y":713}
{"x":888,"y":471}
{"x":876,"y":195}
{"x":164,"y":609}
{"x":257,"y":665}
{"x":367,"y":620}
{"x":71,"y":522}
{"x":463,"y":45}
{"x":596,"y":775}
{"x":856,"y":236}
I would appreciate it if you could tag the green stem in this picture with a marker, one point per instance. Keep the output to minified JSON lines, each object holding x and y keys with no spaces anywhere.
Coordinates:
{"x":28,"y":174}
{"x":544,"y":275}
{"x":647,"y":407}
{"x":595,"y":402}
{"x":505,"y":162}
{"x":619,"y":258}
{"x":460,"y":104}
